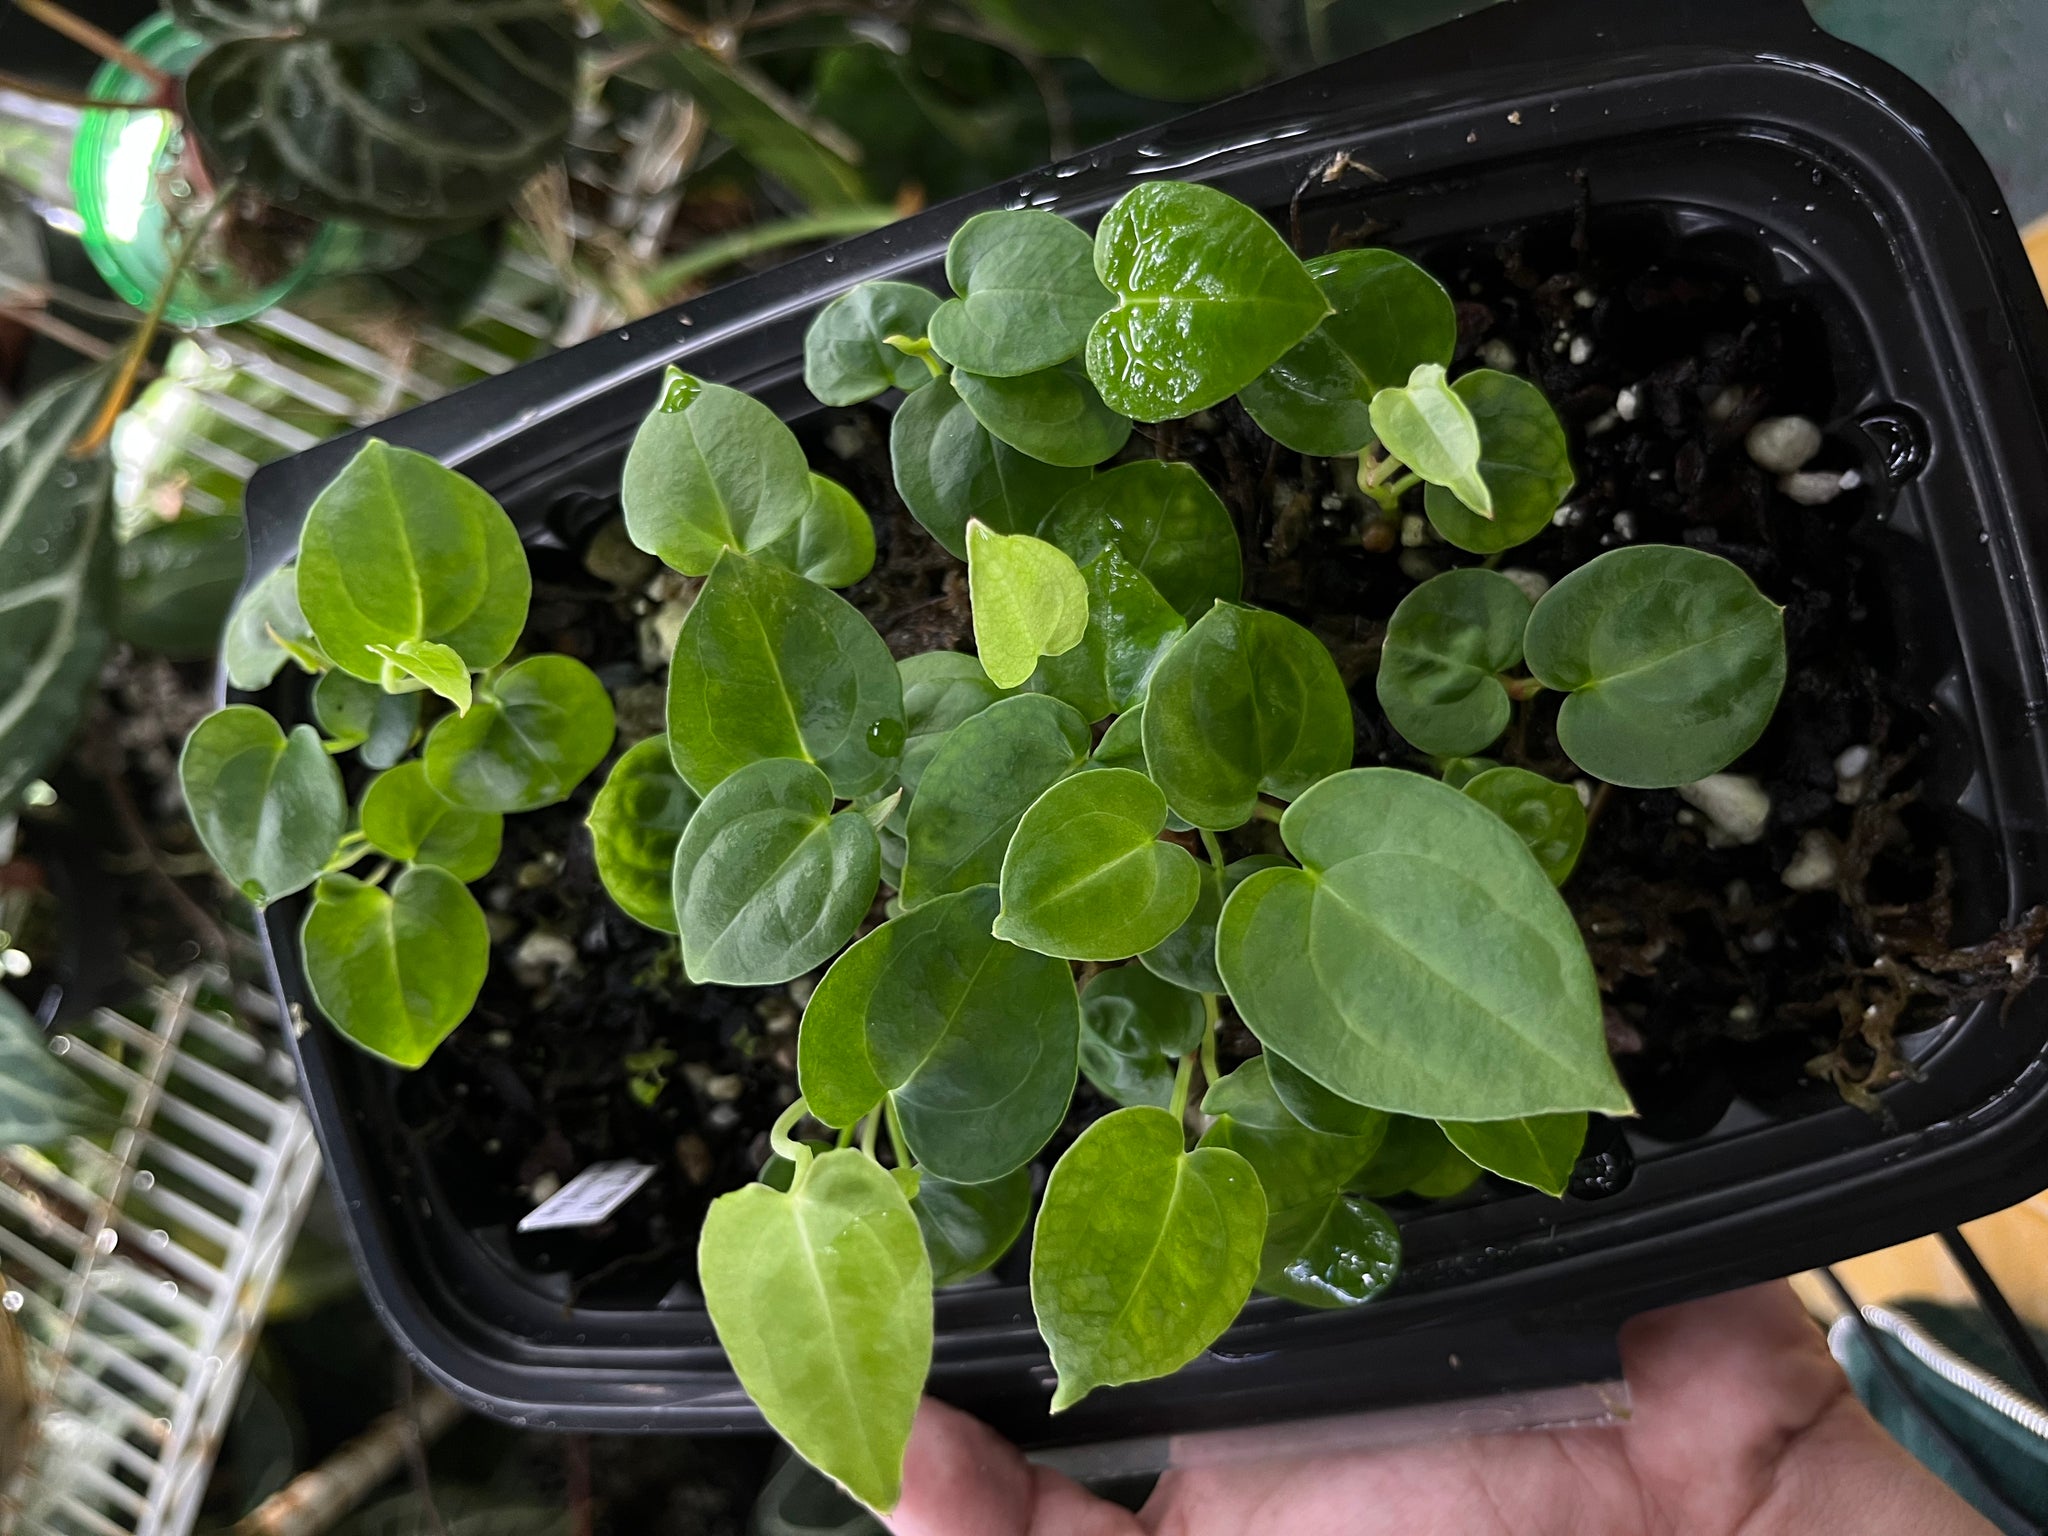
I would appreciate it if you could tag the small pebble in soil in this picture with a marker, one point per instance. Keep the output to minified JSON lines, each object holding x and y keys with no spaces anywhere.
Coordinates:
{"x":1602,"y":424}
{"x":1626,"y":404}
{"x":542,"y":956}
{"x":1852,"y":774}
{"x":543,"y":1188}
{"x":1815,"y":864}
{"x":1736,"y":806}
{"x":1414,"y":531}
{"x":1581,"y":352}
{"x":693,"y":1156}
{"x":1585,"y":298}
{"x":1533,"y":583}
{"x":1816,"y":488}
{"x":1726,"y":404}
{"x":1499,"y":354}
{"x":1380,"y":535}
{"x":658,"y":633}
{"x":1742,"y":1013}
{"x":614,"y":557}
{"x":1624,"y":526}
{"x":1584,"y":788}
{"x":725,"y":1087}
{"x":1417,"y":565}
{"x":1782,"y":444}
{"x":846,"y":440}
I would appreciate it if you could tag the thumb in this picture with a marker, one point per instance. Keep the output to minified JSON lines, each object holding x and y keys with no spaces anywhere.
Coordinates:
{"x":960,"y":1478}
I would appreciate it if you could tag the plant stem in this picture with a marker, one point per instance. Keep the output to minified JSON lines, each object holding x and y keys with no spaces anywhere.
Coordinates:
{"x":1183,"y":1078}
{"x":1520,"y":688}
{"x":93,"y":39}
{"x":899,"y":1144}
{"x":1264,"y":812}
{"x":665,"y":279}
{"x":783,"y":1145}
{"x":870,"y":1128}
{"x":1214,"y":847}
{"x":1405,"y":484}
{"x":917,"y":346}
{"x":845,"y":1137}
{"x":1213,"y":1008}
{"x":21,"y":85}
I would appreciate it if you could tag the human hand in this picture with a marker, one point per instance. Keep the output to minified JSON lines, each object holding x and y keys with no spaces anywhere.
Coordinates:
{"x":1742,"y":1426}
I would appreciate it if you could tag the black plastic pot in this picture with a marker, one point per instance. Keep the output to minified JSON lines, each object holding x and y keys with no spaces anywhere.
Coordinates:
{"x":1736,"y":123}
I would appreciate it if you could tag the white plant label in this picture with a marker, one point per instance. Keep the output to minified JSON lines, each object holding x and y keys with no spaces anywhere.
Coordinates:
{"x":588,"y":1198}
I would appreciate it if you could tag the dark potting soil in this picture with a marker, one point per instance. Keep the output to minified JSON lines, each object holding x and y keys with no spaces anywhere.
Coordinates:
{"x":1720,"y":980}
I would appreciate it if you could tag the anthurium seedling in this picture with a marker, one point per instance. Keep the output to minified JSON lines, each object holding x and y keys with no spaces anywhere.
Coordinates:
{"x":1446,"y":646}
{"x":636,"y":821}
{"x":1523,"y":462}
{"x":1029,"y":601}
{"x":268,"y":807}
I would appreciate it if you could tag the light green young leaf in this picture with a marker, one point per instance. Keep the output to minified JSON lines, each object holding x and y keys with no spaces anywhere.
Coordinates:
{"x":833,"y":543}
{"x":974,"y":1040}
{"x":1054,"y":415}
{"x":1087,"y":877}
{"x":1447,"y":644}
{"x":978,"y":786}
{"x":268,"y":808}
{"x":635,"y":823}
{"x":1545,"y":814}
{"x":1429,"y":427}
{"x":1130,"y":630}
{"x":940,"y":690}
{"x":1208,"y":296}
{"x":822,"y":1298}
{"x":950,"y":470}
{"x":1143,"y":1254}
{"x":404,"y":817}
{"x":768,"y":882}
{"x":1029,"y":601}
{"x":357,"y":715}
{"x":1417,"y":1159}
{"x":1388,"y":317}
{"x":426,"y":663}
{"x":967,"y":1227}
{"x":1522,"y":458}
{"x":1673,"y":660}
{"x":1247,"y":702}
{"x":266,"y":630}
{"x":395,"y":971}
{"x":1539,"y":1150}
{"x":768,"y":664}
{"x":1132,"y":1025}
{"x":527,"y":741}
{"x":397,"y":548}
{"x":1444,"y":976}
{"x":1187,"y":956}
{"x":711,"y":469}
{"x":1161,"y":516}
{"x":847,"y":358}
{"x":1028,"y":293}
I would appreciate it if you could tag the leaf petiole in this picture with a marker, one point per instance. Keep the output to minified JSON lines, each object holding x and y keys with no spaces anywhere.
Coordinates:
{"x":783,"y":1144}
{"x":1183,"y":1080}
{"x":1213,"y":847}
{"x":1520,"y":688}
{"x":899,"y":1144}
{"x":870,"y":1128}
{"x":919,"y":347}
{"x":1214,"y":1014}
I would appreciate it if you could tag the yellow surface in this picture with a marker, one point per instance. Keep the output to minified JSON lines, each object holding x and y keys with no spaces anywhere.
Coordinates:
{"x":2013,"y":1245}
{"x":2037,"y":247}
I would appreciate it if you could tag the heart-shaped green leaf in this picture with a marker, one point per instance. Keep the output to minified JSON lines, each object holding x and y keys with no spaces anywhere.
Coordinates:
{"x":395,"y":971}
{"x":978,"y":786}
{"x":847,"y":358}
{"x":1132,"y":1026}
{"x":1428,"y":426}
{"x":1444,"y":976}
{"x":1143,"y":1254}
{"x":711,"y":469}
{"x":951,"y":470}
{"x":1087,"y":877}
{"x":1187,"y":956}
{"x":1334,"y":1252}
{"x":269,"y":809}
{"x":413,"y":664}
{"x":833,"y":543}
{"x":404,"y":817}
{"x":1673,"y":660}
{"x":1130,"y":630}
{"x":397,"y":548}
{"x":1523,"y":459}
{"x":527,"y":741}
{"x":1417,"y":1159}
{"x":1248,"y":702}
{"x":1208,"y":296}
{"x":635,"y":823}
{"x":1447,"y":644}
{"x":357,"y":715}
{"x":1029,"y":601}
{"x":1027,"y":293}
{"x":1545,"y":814}
{"x":266,"y":630}
{"x":1538,"y":1150}
{"x":768,"y":664}
{"x":822,"y":1298}
{"x":940,"y":690}
{"x":1161,"y":516}
{"x":1387,"y":318}
{"x":1054,"y":414}
{"x":1313,"y":1104}
{"x":768,"y":882}
{"x":974,"y":1040}
{"x":967,"y":1227}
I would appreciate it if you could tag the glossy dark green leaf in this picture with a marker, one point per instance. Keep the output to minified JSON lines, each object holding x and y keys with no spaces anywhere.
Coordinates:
{"x":635,"y":823}
{"x":1130,"y":630}
{"x":528,"y":741}
{"x":397,"y":548}
{"x":951,"y":470}
{"x":847,"y":357}
{"x":1540,"y":1150}
{"x":1417,"y":1159}
{"x":711,"y":469}
{"x":1388,"y":317}
{"x":974,"y":1040}
{"x":1087,"y":876}
{"x":1144,"y":1252}
{"x":833,"y":543}
{"x":967,"y":1227}
{"x":1523,"y":459}
{"x":395,"y":971}
{"x":1447,"y":644}
{"x":768,"y":882}
{"x":1673,"y":660}
{"x":266,"y":630}
{"x":1054,"y":415}
{"x":414,"y":664}
{"x":1428,"y":426}
{"x":269,"y":808}
{"x":1545,"y":814}
{"x":362,"y":717}
{"x":1208,"y":296}
{"x":1444,"y":976}
{"x":1247,"y":703}
{"x":1162,"y":517}
{"x":403,"y":816}
{"x":1029,"y":601}
{"x":822,"y":1298}
{"x":1460,"y":771}
{"x":768,"y":664}
{"x":1027,"y":294}
{"x":1313,"y":1104}
{"x":977,"y":787}
{"x":1334,"y":1252}
{"x":940,"y":690}
{"x":1187,"y":956}
{"x":1132,"y":1026}
{"x":1169,"y":50}
{"x":384,"y":112}
{"x":176,"y":583}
